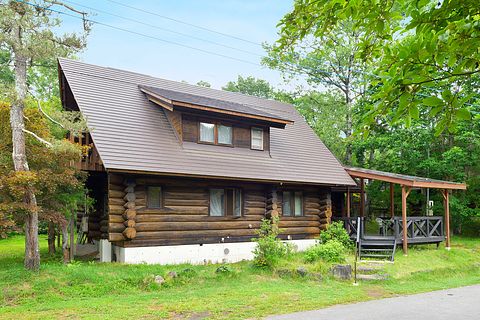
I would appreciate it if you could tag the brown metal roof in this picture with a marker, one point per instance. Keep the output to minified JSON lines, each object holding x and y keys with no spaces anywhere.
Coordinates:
{"x":215,"y":105}
{"x":411,"y":181}
{"x":133,"y":134}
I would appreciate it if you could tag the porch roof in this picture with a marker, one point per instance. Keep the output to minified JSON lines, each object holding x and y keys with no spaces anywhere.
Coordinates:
{"x":405,"y":180}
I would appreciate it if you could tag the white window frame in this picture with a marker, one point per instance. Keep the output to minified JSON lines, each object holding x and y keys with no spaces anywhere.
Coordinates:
{"x":257,"y":129}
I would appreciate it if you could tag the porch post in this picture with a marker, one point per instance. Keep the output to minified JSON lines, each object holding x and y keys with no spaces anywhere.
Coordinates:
{"x":404,"y":219}
{"x":362,"y":197}
{"x":447,"y":217}
{"x":392,"y":205}
{"x":348,"y":202}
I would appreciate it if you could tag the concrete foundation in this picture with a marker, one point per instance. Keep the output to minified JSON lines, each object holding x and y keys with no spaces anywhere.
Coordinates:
{"x":195,"y":253}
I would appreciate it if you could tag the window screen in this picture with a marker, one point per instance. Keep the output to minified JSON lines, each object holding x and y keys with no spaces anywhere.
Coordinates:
{"x":287,"y":203}
{"x":154,"y":197}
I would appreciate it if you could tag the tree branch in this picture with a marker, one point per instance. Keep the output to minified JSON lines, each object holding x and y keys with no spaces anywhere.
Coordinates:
{"x":48,"y":144}
{"x":48,"y":117}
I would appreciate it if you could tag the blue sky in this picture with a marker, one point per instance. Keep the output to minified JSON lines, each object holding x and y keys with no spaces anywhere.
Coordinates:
{"x":252,"y":20}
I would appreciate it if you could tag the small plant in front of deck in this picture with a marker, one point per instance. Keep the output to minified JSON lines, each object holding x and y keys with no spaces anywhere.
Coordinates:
{"x":270,"y":249}
{"x":336,"y":231}
{"x":331,"y":251}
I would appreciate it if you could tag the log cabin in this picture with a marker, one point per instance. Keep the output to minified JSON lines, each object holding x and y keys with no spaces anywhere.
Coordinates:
{"x":181,"y":173}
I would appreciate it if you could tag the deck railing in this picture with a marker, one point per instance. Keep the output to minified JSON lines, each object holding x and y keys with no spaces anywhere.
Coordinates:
{"x":428,"y":229}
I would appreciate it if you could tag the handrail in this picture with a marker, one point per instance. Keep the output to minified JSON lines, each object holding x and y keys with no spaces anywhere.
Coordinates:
{"x":418,"y":227}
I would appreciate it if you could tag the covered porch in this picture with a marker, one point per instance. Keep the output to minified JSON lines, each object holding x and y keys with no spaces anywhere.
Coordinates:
{"x":402,"y":229}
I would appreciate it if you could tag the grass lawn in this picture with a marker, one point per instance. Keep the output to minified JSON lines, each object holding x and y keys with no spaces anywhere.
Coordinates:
{"x":88,"y":290}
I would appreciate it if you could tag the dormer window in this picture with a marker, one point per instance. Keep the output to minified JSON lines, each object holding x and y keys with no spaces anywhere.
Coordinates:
{"x":207,"y":132}
{"x":224,"y":134}
{"x":215,"y":133}
{"x":257,"y":138}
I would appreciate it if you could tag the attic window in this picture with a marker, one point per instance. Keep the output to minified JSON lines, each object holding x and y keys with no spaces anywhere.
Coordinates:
{"x":215,"y":133}
{"x":257,"y":138}
{"x":207,"y":132}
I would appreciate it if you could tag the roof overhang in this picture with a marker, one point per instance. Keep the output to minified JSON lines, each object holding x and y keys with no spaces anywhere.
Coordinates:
{"x":405,"y":180}
{"x":171,"y":104}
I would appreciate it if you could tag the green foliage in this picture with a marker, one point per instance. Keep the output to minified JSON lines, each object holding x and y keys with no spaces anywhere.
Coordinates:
{"x":425,"y":52}
{"x":87,"y":287}
{"x":336,"y":232}
{"x":331,"y":251}
{"x":269,"y":249}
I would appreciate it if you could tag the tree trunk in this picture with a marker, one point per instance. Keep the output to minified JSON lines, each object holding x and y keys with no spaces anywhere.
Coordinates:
{"x":66,"y":253}
{"x":348,"y":129}
{"x":32,"y":253}
{"x":51,"y":238}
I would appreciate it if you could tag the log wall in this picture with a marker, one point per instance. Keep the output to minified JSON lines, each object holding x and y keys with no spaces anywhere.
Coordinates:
{"x":184,"y":216}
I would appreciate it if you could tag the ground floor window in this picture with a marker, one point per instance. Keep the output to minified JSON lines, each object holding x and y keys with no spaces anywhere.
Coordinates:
{"x":226,"y":202}
{"x":154,"y":197}
{"x":292,"y":204}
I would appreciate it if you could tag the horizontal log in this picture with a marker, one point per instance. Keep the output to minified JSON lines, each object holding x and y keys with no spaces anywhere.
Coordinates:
{"x":312,"y":199}
{"x":187,"y":209}
{"x":193,"y":218}
{"x":186,"y":195}
{"x":195,"y":226}
{"x":184,"y":202}
{"x":116,"y":201}
{"x":255,"y":211}
{"x":116,"y":179}
{"x":192,"y":235}
{"x":115,"y":194}
{"x":305,"y":217}
{"x":215,"y":233}
{"x":312,"y":211}
{"x":103,"y":222}
{"x":115,"y":219}
{"x":254,"y":204}
{"x":115,"y":237}
{"x":116,"y":227}
{"x":298,"y":223}
{"x":312,"y":205}
{"x":254,"y":197}
{"x":116,"y":187}
{"x":140,"y":194}
{"x":116,"y":209}
{"x":104,"y":229}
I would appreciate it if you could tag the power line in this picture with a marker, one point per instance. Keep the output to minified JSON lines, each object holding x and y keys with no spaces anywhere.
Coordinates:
{"x":164,"y":29}
{"x":140,"y":34}
{"x":185,"y":23}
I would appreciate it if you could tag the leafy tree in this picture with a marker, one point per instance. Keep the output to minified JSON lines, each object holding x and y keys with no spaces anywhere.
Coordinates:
{"x":203,"y":83}
{"x":325,"y":60}
{"x":251,"y":86}
{"x":427,"y":53}
{"x":26,"y":33}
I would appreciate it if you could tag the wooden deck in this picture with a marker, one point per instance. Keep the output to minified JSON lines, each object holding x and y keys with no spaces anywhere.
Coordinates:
{"x":420,"y":230}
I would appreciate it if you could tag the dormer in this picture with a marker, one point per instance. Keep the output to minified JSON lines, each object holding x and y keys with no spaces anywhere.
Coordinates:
{"x":203,"y":120}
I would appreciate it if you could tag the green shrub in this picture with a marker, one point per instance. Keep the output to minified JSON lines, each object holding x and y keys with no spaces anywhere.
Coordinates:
{"x":331,"y":251}
{"x":269,"y":247}
{"x":336,"y":231}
